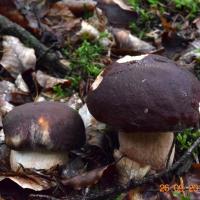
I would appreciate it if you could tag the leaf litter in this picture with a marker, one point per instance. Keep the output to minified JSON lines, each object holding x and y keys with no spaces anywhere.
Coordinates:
{"x":68,"y":23}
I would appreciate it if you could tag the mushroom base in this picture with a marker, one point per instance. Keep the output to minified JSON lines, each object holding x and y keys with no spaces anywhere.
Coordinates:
{"x":148,"y":148}
{"x":37,"y":160}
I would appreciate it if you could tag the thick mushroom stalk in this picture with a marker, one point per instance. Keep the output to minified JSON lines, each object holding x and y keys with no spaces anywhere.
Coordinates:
{"x":37,"y":159}
{"x":147,"y":97}
{"x":152,"y":149}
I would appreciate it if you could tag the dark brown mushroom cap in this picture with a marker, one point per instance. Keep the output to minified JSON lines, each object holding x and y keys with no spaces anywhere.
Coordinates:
{"x":44,"y":125}
{"x":152,"y":94}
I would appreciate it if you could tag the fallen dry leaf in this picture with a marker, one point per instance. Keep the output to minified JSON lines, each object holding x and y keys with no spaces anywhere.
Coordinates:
{"x":5,"y":107}
{"x":33,"y":10}
{"x":17,"y":58}
{"x":89,"y":120}
{"x":21,"y":85}
{"x":9,"y":10}
{"x":191,"y":54}
{"x":117,"y":12}
{"x":81,"y":6}
{"x":126,"y":43}
{"x":75,"y":102}
{"x":122,"y":4}
{"x":11,"y":94}
{"x":33,"y":182}
{"x":87,"y":179}
{"x":60,"y":21}
{"x":48,"y":82}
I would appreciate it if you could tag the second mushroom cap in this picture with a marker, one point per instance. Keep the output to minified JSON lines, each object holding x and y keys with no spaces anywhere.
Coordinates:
{"x":148,"y":94}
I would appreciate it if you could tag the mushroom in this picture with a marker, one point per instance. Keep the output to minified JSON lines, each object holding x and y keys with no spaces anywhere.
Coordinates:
{"x":146,"y":98}
{"x":41,"y":134}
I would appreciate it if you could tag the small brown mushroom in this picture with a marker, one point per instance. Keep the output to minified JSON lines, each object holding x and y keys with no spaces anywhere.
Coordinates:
{"x":147,"y":98}
{"x":41,"y":134}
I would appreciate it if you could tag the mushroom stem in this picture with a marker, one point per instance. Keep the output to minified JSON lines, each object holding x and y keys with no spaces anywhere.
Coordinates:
{"x":148,"y":148}
{"x":36,"y":159}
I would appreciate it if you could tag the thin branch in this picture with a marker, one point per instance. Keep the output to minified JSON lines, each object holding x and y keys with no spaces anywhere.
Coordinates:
{"x":48,"y":58}
{"x":149,"y":179}
{"x":116,"y":190}
{"x":42,"y":196}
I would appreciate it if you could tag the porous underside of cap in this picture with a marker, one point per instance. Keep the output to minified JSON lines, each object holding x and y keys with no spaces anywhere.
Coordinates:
{"x":44,"y":125}
{"x":151,"y":94}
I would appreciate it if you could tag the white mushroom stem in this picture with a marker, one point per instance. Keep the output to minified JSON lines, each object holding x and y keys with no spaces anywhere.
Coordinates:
{"x":36,"y":160}
{"x":148,"y":148}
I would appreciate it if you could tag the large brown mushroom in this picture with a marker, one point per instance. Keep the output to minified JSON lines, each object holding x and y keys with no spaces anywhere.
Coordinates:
{"x":147,"y":98}
{"x":41,"y":134}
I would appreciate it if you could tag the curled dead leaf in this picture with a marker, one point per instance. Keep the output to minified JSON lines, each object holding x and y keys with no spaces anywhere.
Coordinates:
{"x":5,"y":107}
{"x":126,"y":43}
{"x":9,"y":10}
{"x":48,"y":82}
{"x":75,"y":101}
{"x":87,"y":179}
{"x":118,"y":13}
{"x":11,"y":94}
{"x":21,"y":85}
{"x":17,"y":58}
{"x":32,"y":182}
{"x":60,"y":22}
{"x":81,"y":6}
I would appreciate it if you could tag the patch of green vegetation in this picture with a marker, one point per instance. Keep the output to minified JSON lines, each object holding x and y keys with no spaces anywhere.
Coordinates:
{"x":181,"y":196}
{"x":61,"y":92}
{"x":86,"y":58}
{"x":186,"y":138}
{"x":119,"y":197}
{"x":148,"y":9}
{"x":191,"y":6}
{"x":85,"y":61}
{"x":146,"y":16}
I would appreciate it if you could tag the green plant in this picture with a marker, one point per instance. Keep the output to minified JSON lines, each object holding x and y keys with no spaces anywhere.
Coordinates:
{"x":84,"y":61}
{"x":146,"y":16}
{"x":148,"y":9}
{"x":153,"y":2}
{"x":61,"y":92}
{"x":181,"y":196}
{"x":186,"y":138}
{"x":86,"y":58}
{"x":119,"y":197}
{"x":192,"y":6}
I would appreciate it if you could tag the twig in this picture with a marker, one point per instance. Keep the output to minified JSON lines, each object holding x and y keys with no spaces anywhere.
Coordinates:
{"x":116,"y":190}
{"x":48,"y":58}
{"x":149,"y":179}
{"x":42,"y":196}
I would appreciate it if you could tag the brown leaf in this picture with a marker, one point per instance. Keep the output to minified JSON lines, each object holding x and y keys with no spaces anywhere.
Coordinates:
{"x":16,"y":57}
{"x":126,"y":43}
{"x":117,"y":12}
{"x":87,"y":179}
{"x":167,"y":25}
{"x":5,"y":107}
{"x":75,"y":101}
{"x":21,"y":85}
{"x":48,"y":82}
{"x":81,"y":6}
{"x":60,"y":21}
{"x":8,"y":9}
{"x":33,"y":10}
{"x":11,"y":94}
{"x":33,"y":182}
{"x":197,"y":23}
